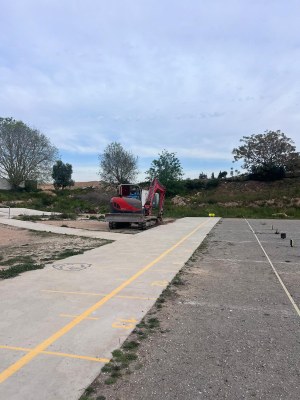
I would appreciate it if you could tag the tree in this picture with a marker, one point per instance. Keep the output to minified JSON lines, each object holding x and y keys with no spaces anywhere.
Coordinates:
{"x":62,"y":175}
{"x":25,"y":153}
{"x":222,"y":174}
{"x":202,"y":175}
{"x":166,"y":168}
{"x":267,"y":155}
{"x":118,"y":165}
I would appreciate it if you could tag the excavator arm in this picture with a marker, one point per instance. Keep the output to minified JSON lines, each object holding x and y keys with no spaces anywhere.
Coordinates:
{"x":155,"y":187}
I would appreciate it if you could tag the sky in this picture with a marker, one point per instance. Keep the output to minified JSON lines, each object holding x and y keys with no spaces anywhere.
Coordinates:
{"x":192,"y":77}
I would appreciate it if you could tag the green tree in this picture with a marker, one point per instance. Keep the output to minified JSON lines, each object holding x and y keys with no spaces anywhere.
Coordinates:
{"x":202,"y":175}
{"x":118,"y":165}
{"x":222,"y":174}
{"x":62,"y":175}
{"x":267,"y":155}
{"x":25,"y":153}
{"x":166,"y":168}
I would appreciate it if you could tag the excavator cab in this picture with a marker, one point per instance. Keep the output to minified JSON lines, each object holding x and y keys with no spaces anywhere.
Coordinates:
{"x":129,"y":190}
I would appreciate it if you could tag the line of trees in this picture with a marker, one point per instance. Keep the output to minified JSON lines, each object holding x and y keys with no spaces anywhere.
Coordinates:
{"x":27,"y":154}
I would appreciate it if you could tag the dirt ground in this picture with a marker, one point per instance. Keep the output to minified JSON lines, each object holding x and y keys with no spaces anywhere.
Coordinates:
{"x":95,"y":225}
{"x":90,"y":225}
{"x":43,"y":247}
{"x":40,"y":247}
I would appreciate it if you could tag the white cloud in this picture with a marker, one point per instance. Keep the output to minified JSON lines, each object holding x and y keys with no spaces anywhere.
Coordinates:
{"x":192,"y":78}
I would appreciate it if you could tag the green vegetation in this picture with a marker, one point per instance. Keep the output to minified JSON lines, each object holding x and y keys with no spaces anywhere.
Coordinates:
{"x":62,"y":175}
{"x":18,"y":269}
{"x":267,"y":156}
{"x":68,"y":202}
{"x":237,"y":198}
{"x":167,"y":169}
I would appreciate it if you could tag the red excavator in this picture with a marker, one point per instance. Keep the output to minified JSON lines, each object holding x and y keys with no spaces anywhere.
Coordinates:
{"x":134,"y":205}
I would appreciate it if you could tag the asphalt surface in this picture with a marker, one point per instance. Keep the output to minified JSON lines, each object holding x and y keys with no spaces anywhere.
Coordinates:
{"x":231,"y":331}
{"x":59,"y":325}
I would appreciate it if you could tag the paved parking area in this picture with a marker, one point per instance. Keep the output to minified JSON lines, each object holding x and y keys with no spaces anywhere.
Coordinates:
{"x":232,"y":331}
{"x":59,"y":325}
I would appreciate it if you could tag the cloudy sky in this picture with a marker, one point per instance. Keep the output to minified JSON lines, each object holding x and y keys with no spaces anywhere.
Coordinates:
{"x":190,"y":76}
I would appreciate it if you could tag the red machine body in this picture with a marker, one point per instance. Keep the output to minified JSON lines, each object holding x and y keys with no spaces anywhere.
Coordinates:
{"x":134,"y":205}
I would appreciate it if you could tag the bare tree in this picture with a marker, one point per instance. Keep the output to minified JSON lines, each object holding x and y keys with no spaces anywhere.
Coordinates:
{"x":117,"y":165}
{"x":25,"y":153}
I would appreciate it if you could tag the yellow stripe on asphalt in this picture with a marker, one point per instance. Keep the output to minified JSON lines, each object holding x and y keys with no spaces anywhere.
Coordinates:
{"x":67,"y":328}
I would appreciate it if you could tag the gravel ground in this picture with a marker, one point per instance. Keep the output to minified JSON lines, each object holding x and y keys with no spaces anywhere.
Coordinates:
{"x":230,"y":331}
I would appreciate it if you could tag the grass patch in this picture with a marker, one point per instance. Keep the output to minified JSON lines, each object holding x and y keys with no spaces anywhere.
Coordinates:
{"x":17,"y":259}
{"x":68,"y":253}
{"x":18,"y":269}
{"x":177,"y":280}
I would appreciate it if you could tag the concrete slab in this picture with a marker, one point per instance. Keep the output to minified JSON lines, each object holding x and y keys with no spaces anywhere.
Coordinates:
{"x":59,"y":325}
{"x":9,"y":212}
{"x":36,"y":226}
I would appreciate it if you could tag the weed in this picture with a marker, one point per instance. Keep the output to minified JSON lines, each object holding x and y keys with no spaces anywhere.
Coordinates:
{"x":68,"y":253}
{"x":130,"y":345}
{"x":115,"y":374}
{"x":18,"y":269}
{"x":153,"y":323}
{"x":110,"y":381}
{"x":106,"y":368}
{"x":17,"y":259}
{"x":89,"y":390}
{"x":177,"y":280}
{"x":117,"y":353}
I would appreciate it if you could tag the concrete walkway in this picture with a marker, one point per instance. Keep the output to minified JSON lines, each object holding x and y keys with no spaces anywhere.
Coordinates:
{"x":10,"y":212}
{"x":37,"y":226}
{"x":59,"y":325}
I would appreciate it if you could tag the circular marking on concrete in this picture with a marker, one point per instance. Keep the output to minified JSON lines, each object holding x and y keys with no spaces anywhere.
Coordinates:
{"x":71,"y":266}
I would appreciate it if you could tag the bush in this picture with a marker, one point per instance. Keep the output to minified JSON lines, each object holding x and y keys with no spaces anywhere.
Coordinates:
{"x":267,"y":173}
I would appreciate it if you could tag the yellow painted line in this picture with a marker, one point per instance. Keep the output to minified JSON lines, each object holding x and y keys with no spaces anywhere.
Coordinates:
{"x":58,"y":354}
{"x":14,"y":348}
{"x":100,"y":294}
{"x":74,"y":316}
{"x":276,"y":273}
{"x":54,"y":353}
{"x":12,"y":369}
{"x":80,"y":293}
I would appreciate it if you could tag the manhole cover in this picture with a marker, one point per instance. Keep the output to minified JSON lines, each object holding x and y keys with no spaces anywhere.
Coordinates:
{"x":71,"y":266}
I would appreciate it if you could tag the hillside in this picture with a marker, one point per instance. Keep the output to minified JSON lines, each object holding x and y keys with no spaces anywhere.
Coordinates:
{"x":243,"y":198}
{"x":225,"y":198}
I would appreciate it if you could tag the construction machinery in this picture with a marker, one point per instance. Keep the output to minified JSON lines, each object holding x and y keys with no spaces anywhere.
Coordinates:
{"x":134,"y":205}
